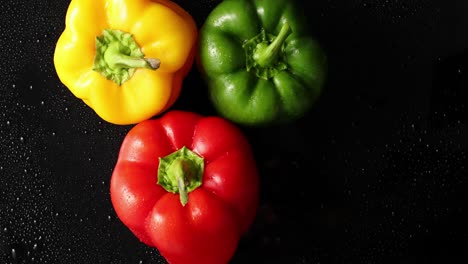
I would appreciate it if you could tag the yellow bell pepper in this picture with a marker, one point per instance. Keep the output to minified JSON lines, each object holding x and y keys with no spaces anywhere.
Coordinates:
{"x":126,"y":59}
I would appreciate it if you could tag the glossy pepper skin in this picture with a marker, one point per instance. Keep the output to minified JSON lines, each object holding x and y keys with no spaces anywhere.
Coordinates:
{"x":194,"y":206}
{"x":260,"y":61}
{"x":126,"y":59}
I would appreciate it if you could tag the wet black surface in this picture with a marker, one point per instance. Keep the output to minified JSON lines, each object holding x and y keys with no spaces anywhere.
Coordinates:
{"x":376,"y":173}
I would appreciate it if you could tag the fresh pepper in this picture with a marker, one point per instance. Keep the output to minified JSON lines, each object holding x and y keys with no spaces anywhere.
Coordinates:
{"x":126,"y":59}
{"x":261,"y":63}
{"x":188,"y":185}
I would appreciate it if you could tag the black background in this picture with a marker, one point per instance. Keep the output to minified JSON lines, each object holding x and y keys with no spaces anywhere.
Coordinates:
{"x":375,"y":173}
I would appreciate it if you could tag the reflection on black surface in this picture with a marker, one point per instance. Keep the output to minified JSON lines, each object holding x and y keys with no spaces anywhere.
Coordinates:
{"x":449,"y":96}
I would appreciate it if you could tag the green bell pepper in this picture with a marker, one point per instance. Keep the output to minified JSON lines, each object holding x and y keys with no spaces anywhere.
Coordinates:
{"x":260,"y":61}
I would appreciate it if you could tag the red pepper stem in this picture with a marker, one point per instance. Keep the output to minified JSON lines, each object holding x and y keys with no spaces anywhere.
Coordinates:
{"x":265,"y":55}
{"x":182,"y":170}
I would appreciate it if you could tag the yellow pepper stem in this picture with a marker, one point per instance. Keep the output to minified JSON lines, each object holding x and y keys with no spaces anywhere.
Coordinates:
{"x":118,"y":55}
{"x":116,"y":59}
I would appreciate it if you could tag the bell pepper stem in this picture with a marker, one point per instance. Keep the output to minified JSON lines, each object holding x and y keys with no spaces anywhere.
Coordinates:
{"x":181,"y":181}
{"x":181,"y":172}
{"x":265,"y":55}
{"x":116,"y":59}
{"x":118,"y":56}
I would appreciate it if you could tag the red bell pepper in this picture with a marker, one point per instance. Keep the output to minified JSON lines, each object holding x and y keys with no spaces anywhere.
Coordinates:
{"x":188,"y":185}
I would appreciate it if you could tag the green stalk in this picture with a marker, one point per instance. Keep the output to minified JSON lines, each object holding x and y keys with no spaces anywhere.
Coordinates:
{"x":265,"y":55}
{"x":181,"y":172}
{"x":116,"y":59}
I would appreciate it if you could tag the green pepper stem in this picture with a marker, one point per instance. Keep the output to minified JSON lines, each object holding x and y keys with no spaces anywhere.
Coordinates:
{"x":116,"y":59}
{"x":265,"y":54}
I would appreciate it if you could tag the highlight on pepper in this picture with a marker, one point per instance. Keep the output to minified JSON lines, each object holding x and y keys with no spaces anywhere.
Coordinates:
{"x":126,"y":59}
